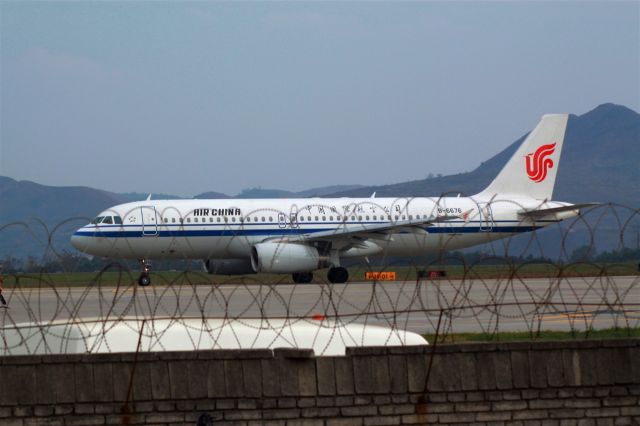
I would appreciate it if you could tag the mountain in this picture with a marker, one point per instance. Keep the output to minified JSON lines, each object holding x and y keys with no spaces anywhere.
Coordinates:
{"x":323,"y":191}
{"x":211,"y":195}
{"x":30,"y":214}
{"x":137,"y":196}
{"x":326,"y":191}
{"x":599,"y":163}
{"x":24,"y":200}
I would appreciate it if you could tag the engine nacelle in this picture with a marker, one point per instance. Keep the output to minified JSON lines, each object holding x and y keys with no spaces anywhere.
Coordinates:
{"x":228,"y":266}
{"x":285,"y":258}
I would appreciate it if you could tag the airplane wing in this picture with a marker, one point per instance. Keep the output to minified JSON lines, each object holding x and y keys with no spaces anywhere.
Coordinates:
{"x":545,"y":212}
{"x":347,"y":229}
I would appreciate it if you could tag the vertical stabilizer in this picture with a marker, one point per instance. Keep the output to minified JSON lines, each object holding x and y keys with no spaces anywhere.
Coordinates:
{"x":532,"y":170}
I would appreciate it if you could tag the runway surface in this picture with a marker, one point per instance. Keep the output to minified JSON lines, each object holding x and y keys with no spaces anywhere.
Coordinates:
{"x":466,"y":306}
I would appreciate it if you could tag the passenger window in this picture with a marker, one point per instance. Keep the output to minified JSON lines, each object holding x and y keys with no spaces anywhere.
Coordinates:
{"x":324,"y":218}
{"x":270,"y":218}
{"x":188,"y":220}
{"x":301,"y":218}
{"x":331,"y":218}
{"x":117,"y":220}
{"x":263,"y":218}
{"x":210,"y":219}
{"x":173,"y":220}
{"x":367,"y":218}
{"x":226,"y":219}
{"x":309,"y":217}
{"x":397,"y":217}
{"x":181,"y":220}
{"x":166,"y":220}
{"x":403,"y":217}
{"x":353,"y":218}
{"x":195,"y":219}
{"x":375,"y":217}
{"x":218,"y":219}
{"x":410,"y":217}
{"x":255,"y":219}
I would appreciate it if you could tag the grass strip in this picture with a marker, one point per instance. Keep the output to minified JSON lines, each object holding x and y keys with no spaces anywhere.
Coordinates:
{"x":543,"y":335}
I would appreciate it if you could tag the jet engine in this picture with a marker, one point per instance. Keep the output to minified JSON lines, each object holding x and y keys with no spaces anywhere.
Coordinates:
{"x":228,"y":266}
{"x":285,"y":258}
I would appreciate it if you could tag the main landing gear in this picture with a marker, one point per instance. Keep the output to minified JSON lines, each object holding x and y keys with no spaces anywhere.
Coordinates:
{"x":338,"y":275}
{"x":302,"y":277}
{"x":144,"y":279}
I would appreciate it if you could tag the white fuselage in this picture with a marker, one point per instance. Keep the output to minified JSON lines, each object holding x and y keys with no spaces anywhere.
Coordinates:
{"x":229,"y":228}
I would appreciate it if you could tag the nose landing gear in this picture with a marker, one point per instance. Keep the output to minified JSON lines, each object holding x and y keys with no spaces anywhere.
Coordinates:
{"x":144,"y":279}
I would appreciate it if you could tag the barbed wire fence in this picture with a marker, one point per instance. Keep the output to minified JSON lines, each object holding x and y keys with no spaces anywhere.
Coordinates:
{"x":512,"y":284}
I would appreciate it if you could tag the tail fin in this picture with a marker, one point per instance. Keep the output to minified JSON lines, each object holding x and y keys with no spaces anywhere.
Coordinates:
{"x":533,"y":168}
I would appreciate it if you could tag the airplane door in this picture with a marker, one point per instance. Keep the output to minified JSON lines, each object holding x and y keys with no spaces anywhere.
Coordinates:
{"x":282,"y":220}
{"x":149,"y":221}
{"x":486,"y":217}
{"x":293,"y":217}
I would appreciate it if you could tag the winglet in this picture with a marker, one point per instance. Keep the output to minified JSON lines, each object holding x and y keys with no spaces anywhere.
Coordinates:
{"x":149,"y":197}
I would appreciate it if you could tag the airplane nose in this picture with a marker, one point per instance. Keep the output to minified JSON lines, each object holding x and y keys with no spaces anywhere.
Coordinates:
{"x":75,"y":241}
{"x":78,"y":242}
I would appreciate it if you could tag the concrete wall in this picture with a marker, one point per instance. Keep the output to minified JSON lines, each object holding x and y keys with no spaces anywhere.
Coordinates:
{"x":559,"y":383}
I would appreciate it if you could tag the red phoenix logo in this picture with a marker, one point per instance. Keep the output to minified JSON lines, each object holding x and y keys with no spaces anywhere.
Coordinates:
{"x":538,"y":166}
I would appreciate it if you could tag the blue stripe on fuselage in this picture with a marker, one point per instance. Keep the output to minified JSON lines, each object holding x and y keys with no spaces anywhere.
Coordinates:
{"x":230,"y":232}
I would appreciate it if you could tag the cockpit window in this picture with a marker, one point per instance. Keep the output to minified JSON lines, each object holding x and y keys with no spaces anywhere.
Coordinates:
{"x":108,"y":220}
{"x":97,"y":220}
{"x":117,"y":220}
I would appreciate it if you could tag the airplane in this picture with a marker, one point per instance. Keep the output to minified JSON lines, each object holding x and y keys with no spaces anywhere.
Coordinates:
{"x":300,"y":236}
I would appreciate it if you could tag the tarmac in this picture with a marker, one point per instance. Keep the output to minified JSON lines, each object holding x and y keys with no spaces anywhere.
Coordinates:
{"x":481,"y":305}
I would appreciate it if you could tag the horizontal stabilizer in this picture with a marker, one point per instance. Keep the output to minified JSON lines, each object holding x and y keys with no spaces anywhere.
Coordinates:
{"x":554,"y":210}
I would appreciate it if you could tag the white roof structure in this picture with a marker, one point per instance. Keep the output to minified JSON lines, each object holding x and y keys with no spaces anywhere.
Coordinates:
{"x":326,"y":337}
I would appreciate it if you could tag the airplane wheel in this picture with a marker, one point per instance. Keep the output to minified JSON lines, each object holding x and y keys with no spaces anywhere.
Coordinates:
{"x":144,"y":280}
{"x":338,"y":275}
{"x":302,"y":277}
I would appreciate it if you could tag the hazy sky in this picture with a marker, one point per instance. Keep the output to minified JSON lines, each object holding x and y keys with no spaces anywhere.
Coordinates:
{"x":183,"y":98}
